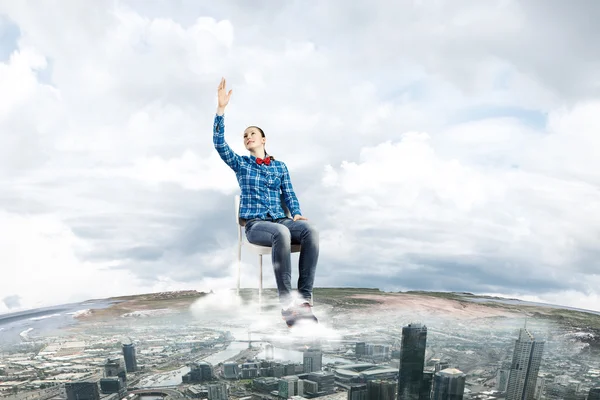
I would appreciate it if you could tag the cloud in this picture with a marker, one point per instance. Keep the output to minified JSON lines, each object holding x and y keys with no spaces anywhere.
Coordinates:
{"x":424,"y":219}
{"x":428,"y":142}
{"x":226,"y":307}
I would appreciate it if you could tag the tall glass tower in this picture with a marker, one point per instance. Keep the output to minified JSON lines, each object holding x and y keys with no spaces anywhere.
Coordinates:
{"x":527,"y":358}
{"x":412,"y":361}
{"x":129,"y":355}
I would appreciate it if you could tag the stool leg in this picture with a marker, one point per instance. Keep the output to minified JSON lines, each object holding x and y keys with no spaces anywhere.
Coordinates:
{"x":239,"y":266}
{"x":260,"y":278}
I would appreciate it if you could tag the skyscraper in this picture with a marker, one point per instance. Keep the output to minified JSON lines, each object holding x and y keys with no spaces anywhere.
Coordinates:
{"x":448,"y":384}
{"x":594,"y":393}
{"x":527,"y":358}
{"x":129,"y":355}
{"x":313,"y":360}
{"x":412,"y":361}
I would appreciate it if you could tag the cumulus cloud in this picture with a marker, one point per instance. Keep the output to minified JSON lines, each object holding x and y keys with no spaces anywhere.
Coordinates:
{"x":431,"y":206}
{"x":429,"y":143}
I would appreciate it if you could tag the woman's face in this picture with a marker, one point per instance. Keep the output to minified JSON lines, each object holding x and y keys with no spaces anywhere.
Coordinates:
{"x":253,"y":140}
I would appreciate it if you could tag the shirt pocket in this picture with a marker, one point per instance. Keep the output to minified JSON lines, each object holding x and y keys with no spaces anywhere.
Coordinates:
{"x":273,"y":180}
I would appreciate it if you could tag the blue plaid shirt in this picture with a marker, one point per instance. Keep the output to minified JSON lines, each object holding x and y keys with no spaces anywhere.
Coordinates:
{"x":261,"y":185}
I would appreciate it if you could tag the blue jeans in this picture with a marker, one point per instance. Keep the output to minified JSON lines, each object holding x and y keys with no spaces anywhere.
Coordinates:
{"x":280,"y":234}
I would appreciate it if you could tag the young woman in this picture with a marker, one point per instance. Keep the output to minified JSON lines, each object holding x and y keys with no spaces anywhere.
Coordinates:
{"x":262,"y":180}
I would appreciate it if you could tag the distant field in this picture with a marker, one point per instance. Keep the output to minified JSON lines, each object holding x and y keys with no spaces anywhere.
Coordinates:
{"x":344,"y":298}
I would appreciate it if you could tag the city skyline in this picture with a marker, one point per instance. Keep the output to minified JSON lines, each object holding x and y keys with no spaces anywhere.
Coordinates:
{"x":458,"y":138}
{"x":371,"y":361}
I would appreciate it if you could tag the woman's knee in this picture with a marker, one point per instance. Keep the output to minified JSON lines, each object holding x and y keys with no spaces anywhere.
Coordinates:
{"x":310,"y":231}
{"x":281,"y":232}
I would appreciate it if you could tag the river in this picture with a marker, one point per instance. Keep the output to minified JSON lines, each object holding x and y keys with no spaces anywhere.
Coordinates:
{"x":173,"y":378}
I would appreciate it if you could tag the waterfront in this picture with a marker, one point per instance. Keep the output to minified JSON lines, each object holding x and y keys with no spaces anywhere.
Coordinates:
{"x":173,"y":378}
{"x":233,"y":349}
{"x":170,"y":378}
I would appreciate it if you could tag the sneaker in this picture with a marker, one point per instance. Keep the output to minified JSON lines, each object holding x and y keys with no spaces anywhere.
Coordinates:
{"x":304,"y":311}
{"x":289,"y":316}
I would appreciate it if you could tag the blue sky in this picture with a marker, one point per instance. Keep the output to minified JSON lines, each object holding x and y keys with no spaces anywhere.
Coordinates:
{"x":435,"y":146}
{"x":9,"y":33}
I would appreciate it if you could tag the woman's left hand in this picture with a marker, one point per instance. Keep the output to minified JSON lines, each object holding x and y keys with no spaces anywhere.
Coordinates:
{"x":299,"y":217}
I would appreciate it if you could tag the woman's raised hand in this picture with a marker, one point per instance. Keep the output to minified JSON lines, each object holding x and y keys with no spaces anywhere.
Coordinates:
{"x":223,"y":95}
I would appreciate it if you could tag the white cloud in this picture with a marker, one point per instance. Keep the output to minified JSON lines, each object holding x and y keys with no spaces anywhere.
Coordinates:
{"x":189,"y":171}
{"x":436,"y":207}
{"x":414,"y":135}
{"x":40,"y":266}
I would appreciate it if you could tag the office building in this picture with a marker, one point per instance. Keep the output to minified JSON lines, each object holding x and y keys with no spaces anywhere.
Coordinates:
{"x":82,"y":391}
{"x":412,"y":361}
{"x":288,"y":387}
{"x":114,"y":367}
{"x":199,"y":372}
{"x":313,"y":360}
{"x":502,"y":379}
{"x":381,"y":390}
{"x":265,"y":384}
{"x":325,"y":381}
{"x":231,"y":370}
{"x":358,"y":391}
{"x":448,"y":384}
{"x":290,"y":368}
{"x":130,"y":358}
{"x":526,"y":361}
{"x":217,"y":391}
{"x":111,"y":385}
{"x":360,"y":349}
{"x":426,"y":385}
{"x":307,"y":388}
{"x":249,"y":373}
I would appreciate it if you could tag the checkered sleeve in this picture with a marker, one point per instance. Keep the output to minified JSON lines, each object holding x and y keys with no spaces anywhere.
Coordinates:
{"x":229,"y":156}
{"x":288,"y":192}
